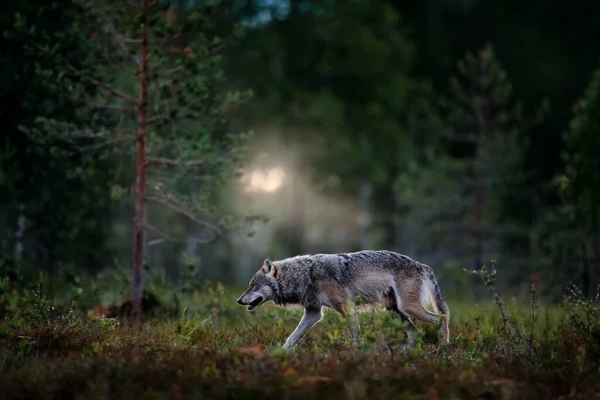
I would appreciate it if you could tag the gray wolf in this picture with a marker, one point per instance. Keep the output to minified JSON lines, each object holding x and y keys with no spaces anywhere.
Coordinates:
{"x":366,"y":278}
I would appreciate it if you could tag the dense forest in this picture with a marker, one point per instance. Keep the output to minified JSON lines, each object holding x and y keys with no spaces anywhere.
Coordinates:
{"x":154,"y":148}
{"x":453,"y":132}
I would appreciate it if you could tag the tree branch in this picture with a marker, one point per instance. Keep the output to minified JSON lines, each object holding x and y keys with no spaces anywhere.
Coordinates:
{"x":125,"y":40}
{"x":163,"y":117}
{"x":154,"y":242}
{"x":106,"y":144}
{"x":141,"y":8}
{"x":204,"y":241}
{"x":161,"y":233}
{"x":113,"y":107}
{"x":218,"y":48}
{"x":157,"y":118}
{"x":102,"y":133}
{"x":170,"y":71}
{"x":199,"y":178}
{"x":182,"y":211}
{"x":112,"y":90}
{"x":167,"y":161}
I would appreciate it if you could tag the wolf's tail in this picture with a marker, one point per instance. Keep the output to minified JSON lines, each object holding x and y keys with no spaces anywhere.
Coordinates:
{"x":440,"y":301}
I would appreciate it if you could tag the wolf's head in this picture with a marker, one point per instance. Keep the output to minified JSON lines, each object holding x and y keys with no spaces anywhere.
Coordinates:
{"x":260,"y":288}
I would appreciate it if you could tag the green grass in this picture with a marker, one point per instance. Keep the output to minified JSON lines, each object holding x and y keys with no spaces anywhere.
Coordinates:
{"x":214,"y":348}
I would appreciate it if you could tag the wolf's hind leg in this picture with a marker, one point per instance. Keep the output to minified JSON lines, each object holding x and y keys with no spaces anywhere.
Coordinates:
{"x":309,"y":319}
{"x":416,"y":310}
{"x":412,"y":298}
{"x":391,"y":305}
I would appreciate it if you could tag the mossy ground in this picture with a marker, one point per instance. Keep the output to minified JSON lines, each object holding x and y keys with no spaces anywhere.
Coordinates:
{"x":215,"y":348}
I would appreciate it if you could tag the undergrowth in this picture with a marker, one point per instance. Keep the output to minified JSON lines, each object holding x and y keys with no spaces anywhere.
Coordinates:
{"x":207,"y":346}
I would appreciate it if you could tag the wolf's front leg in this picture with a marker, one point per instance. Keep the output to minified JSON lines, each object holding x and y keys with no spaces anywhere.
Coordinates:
{"x":309,"y":319}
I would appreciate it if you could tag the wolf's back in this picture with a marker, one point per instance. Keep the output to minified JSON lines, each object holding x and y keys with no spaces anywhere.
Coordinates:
{"x":381,"y":259}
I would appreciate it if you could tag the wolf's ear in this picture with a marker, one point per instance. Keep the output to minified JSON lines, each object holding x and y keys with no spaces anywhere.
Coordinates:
{"x":269,"y":268}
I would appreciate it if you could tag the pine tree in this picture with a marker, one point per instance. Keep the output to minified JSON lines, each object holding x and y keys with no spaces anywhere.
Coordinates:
{"x":161,"y":100}
{"x":488,"y":136}
{"x":46,"y":202}
{"x":580,"y":183}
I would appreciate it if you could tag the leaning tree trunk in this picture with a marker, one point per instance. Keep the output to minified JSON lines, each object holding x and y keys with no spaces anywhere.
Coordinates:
{"x":139,"y":216}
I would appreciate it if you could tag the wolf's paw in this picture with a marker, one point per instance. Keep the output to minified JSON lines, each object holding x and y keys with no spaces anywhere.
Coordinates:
{"x":445,"y":340}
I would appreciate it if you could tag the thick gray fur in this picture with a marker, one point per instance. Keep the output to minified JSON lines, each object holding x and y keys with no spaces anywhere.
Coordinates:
{"x":376,"y":277}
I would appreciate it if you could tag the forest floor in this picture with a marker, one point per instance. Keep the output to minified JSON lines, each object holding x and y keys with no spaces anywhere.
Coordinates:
{"x":215,"y":348}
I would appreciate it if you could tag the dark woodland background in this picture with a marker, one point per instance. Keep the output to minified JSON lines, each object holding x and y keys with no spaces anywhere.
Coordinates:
{"x":458,"y":132}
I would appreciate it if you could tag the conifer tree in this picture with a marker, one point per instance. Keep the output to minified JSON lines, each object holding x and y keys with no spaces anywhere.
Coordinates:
{"x":580,"y":183}
{"x":488,"y":136}
{"x":160,"y":100}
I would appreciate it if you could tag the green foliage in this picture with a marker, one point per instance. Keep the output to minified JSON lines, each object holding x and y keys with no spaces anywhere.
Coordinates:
{"x":488,"y":136}
{"x":583,"y":143}
{"x":190,"y":150}
{"x":473,"y":160}
{"x":584,"y":311}
{"x":216,"y":348}
{"x":488,"y":129}
{"x":582,"y":174}
{"x":513,"y":328}
{"x":59,"y":199}
{"x":569,"y":233}
{"x":337,"y":79}
{"x":94,"y":66}
{"x":430,"y":200}
{"x":323,"y":94}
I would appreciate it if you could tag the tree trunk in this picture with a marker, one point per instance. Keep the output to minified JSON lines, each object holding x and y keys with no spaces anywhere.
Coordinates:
{"x":397,"y":233}
{"x":365,"y":195}
{"x":585,"y":268}
{"x":366,"y":221}
{"x":18,"y":251}
{"x":479,"y":203}
{"x":139,"y":217}
{"x":295,"y":232}
{"x":596,"y":236}
{"x":51,"y":244}
{"x":479,"y":187}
